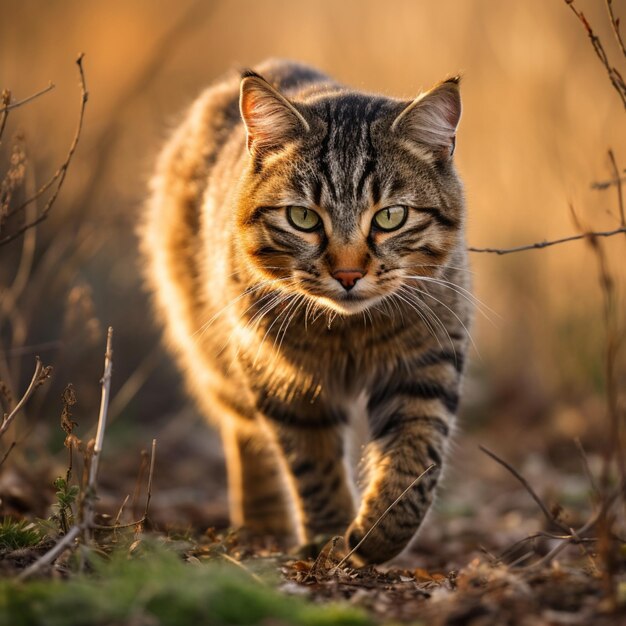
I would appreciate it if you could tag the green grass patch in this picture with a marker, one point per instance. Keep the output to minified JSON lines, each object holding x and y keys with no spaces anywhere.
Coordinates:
{"x":159,"y":588}
{"x":15,"y":535}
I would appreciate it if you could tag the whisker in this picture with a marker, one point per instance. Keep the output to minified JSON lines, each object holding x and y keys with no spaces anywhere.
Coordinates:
{"x":414,"y":305}
{"x":288,"y":297}
{"x":432,"y":315}
{"x":246,"y":292}
{"x":461,"y":291}
{"x":467,"y":332}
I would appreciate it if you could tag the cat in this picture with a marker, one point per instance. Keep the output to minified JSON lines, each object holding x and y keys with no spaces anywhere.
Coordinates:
{"x":305,"y":246}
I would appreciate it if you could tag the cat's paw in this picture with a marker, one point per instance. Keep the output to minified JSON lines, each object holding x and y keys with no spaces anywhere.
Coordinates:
{"x":372,"y":549}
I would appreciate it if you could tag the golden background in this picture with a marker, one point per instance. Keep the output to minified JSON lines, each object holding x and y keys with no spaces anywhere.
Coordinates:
{"x":539,"y":116}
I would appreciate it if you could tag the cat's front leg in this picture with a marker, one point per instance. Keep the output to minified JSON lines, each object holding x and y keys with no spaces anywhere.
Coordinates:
{"x":410,"y":423}
{"x":311,"y":444}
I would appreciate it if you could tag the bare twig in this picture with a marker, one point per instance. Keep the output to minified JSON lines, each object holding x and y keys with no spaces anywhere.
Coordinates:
{"x":86,"y":523}
{"x":103,"y":145}
{"x":615,"y":25}
{"x":52,"y":554}
{"x":99,"y":441}
{"x":59,"y":177}
{"x":574,"y":536}
{"x":6,"y":454}
{"x":614,"y":76}
{"x":150,"y":475}
{"x":13,"y":105}
{"x":5,"y":99}
{"x":618,"y":183}
{"x":241,"y":566}
{"x":134,"y":383}
{"x":585,"y":461}
{"x":605,"y":184}
{"x":382,"y":517}
{"x":546,"y":244}
{"x":31,"y":349}
{"x":116,"y":521}
{"x":42,"y":373}
{"x":544,"y":509}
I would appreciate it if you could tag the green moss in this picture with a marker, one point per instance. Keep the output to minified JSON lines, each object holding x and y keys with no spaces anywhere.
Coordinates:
{"x":159,"y":588}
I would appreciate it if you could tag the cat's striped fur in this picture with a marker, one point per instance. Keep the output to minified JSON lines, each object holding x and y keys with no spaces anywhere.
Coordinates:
{"x":275,"y":349}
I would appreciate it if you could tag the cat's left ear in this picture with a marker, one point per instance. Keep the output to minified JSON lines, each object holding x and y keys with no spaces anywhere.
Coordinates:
{"x":432,"y":118}
{"x":270,"y":118}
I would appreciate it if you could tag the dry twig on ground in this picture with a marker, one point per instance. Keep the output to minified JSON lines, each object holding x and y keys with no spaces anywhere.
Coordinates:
{"x":85,"y":524}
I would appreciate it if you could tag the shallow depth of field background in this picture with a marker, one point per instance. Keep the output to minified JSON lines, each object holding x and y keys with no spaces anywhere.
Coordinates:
{"x":539,"y":116}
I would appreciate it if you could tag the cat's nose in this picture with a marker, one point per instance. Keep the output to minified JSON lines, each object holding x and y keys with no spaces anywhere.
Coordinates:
{"x":348,"y":278}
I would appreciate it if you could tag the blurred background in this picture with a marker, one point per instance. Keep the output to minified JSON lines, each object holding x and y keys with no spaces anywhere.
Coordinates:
{"x":539,"y":116}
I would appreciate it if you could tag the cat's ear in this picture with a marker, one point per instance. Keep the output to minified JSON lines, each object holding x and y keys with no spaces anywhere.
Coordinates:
{"x":270,"y":118}
{"x":432,"y":118}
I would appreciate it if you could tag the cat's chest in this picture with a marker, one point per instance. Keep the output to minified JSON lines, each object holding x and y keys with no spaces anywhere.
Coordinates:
{"x":343,"y":361}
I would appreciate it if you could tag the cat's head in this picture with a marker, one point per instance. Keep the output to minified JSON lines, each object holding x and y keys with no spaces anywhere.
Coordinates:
{"x":348,"y":195}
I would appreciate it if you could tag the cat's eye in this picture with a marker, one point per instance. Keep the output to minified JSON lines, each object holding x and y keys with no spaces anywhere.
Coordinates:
{"x":302,"y":218}
{"x":390,"y":218}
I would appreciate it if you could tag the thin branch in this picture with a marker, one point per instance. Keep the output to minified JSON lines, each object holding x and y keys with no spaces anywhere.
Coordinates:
{"x":42,"y":373}
{"x":588,"y":473}
{"x":615,"y":25}
{"x":382,"y":517}
{"x":574,"y":536}
{"x":31,"y":349}
{"x":614,"y":76}
{"x":86,"y":523}
{"x":6,"y":454}
{"x":116,"y":521}
{"x":134,"y":383}
{"x":544,"y":509}
{"x":102,"y":147}
{"x":52,"y":554}
{"x":618,"y":183}
{"x":99,"y":441}
{"x":59,"y":176}
{"x":241,"y":566}
{"x":605,"y":184}
{"x":554,"y":242}
{"x":9,"y":106}
{"x":150,"y":475}
{"x":5,"y":100}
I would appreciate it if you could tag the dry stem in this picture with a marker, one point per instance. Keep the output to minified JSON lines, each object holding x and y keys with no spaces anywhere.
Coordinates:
{"x":544,"y":509}
{"x":52,"y":554}
{"x":618,"y":183}
{"x":554,"y":242}
{"x":13,"y":105}
{"x":382,"y":517}
{"x":42,"y":373}
{"x":99,"y":441}
{"x":59,"y":176}
{"x":5,"y":99}
{"x":86,"y":523}
{"x":150,"y":475}
{"x":614,"y":76}
{"x":615,"y":25}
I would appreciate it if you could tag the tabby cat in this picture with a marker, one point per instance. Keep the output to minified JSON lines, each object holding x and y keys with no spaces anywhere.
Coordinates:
{"x":305,"y":245}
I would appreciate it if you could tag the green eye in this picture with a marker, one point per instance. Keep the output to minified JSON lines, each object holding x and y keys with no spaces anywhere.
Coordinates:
{"x":302,"y":218}
{"x":390,"y":218}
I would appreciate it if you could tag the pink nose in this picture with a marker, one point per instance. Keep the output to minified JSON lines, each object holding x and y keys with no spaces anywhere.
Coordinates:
{"x":348,"y":278}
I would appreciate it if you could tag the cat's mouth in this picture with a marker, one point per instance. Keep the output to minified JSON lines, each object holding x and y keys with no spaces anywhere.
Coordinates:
{"x":349,"y":303}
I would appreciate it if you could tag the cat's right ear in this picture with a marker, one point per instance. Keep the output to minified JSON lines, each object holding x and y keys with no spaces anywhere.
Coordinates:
{"x":270,"y":118}
{"x":432,"y":118}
